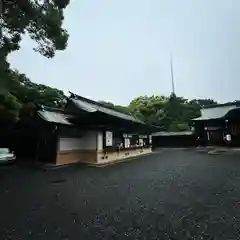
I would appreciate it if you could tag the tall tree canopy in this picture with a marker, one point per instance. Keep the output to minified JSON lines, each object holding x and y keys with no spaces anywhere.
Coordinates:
{"x":26,"y":91}
{"x":171,"y":113}
{"x":149,"y":109}
{"x":18,"y":91}
{"x":204,"y":102}
{"x":9,"y":107}
{"x":41,"y":19}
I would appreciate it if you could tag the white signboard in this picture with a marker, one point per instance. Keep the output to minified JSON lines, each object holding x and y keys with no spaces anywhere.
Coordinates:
{"x":141,"y":143}
{"x":150,"y":139}
{"x":126,"y":142}
{"x":109,"y":138}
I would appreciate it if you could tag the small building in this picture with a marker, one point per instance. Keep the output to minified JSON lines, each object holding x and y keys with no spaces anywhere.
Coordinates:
{"x":85,"y":131}
{"x":218,"y":120}
{"x":173,"y":139}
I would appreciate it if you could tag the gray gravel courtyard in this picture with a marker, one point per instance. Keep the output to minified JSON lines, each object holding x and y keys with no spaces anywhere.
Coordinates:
{"x":173,"y":194}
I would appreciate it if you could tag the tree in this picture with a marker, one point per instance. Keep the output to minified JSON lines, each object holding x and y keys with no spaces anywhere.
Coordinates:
{"x":173,"y":110}
{"x":171,"y":113}
{"x":27,"y":110}
{"x":9,"y":107}
{"x":25,"y":91}
{"x":20,"y":95}
{"x":191,"y":110}
{"x":41,"y":19}
{"x":203,"y":102}
{"x":149,"y":109}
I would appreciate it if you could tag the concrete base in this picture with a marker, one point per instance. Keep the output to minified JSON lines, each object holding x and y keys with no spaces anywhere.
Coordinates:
{"x":94,"y":158}
{"x":106,"y":164}
{"x":69,"y":157}
{"x":121,"y":155}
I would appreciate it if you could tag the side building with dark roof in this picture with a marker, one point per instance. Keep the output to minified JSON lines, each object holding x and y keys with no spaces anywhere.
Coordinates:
{"x":85,"y":131}
{"x":218,"y":120}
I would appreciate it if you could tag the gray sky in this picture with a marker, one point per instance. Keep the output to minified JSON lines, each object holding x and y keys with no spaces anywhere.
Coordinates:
{"x":120,"y":49}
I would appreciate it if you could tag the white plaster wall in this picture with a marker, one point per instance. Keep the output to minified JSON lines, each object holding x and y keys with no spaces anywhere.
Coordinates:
{"x":69,"y":144}
{"x":100,"y":141}
{"x":87,"y":142}
{"x":150,"y":139}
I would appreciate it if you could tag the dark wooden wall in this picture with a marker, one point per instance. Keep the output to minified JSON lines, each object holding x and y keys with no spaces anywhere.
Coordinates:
{"x":174,"y":141}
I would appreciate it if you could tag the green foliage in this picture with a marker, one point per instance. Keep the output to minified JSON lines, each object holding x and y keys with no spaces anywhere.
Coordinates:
{"x":27,"y":110}
{"x":9,"y":107}
{"x":19,"y":90}
{"x":42,"y":20}
{"x":203,"y":102}
{"x":149,"y":109}
{"x":26,"y":91}
{"x":171,"y":113}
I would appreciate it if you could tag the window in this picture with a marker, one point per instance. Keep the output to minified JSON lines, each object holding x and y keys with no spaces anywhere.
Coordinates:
{"x":141,"y":142}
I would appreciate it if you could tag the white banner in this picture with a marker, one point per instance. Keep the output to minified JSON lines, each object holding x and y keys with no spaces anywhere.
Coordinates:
{"x":109,"y":139}
{"x":150,"y":139}
{"x":141,"y":142}
{"x":126,"y":142}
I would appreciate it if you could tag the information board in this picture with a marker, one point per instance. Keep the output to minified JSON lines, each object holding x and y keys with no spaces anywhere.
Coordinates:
{"x":109,"y":138}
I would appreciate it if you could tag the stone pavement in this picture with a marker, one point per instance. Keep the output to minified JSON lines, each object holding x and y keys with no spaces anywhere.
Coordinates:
{"x":174,"y":194}
{"x":225,"y":150}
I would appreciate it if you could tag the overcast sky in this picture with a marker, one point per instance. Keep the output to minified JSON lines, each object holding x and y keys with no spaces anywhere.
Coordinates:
{"x":120,"y":49}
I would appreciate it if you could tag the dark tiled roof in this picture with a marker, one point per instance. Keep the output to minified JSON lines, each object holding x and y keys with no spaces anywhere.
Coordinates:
{"x":92,"y":106}
{"x":217,"y":112}
{"x":54,"y":116}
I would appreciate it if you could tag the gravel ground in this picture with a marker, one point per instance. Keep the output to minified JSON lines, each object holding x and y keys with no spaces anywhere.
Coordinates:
{"x":175,"y":194}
